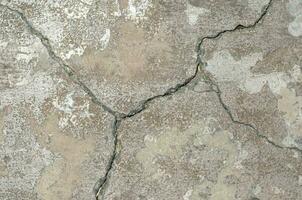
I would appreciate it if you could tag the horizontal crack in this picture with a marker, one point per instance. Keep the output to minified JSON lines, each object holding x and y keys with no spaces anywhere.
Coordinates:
{"x":142,"y":106}
{"x":238,"y":27}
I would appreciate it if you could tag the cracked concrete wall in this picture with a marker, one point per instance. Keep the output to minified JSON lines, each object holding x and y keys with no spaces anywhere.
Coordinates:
{"x":143,"y":99}
{"x":94,"y":37}
{"x":53,"y":137}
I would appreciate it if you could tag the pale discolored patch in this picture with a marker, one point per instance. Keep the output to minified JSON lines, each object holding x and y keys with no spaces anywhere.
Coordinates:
{"x":60,"y":179}
{"x":172,"y":144}
{"x":104,"y":41}
{"x":193,"y":13}
{"x":220,"y":190}
{"x":290,"y":104}
{"x":226,"y":68}
{"x":295,"y":9}
{"x":188,"y":195}
{"x":137,"y":9}
{"x":295,"y":27}
{"x":167,"y":144}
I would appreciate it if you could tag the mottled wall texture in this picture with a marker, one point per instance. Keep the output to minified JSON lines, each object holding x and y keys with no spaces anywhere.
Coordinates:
{"x":150,"y":99}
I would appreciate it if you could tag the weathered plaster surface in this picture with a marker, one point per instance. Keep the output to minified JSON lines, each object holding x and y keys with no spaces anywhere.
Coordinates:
{"x":145,"y":99}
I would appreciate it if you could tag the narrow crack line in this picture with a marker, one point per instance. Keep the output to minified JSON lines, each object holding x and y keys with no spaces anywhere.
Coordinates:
{"x":101,"y":184}
{"x":216,"y":87}
{"x":142,"y":106}
{"x":119,"y":117}
{"x":238,"y":27}
{"x":69,"y":71}
{"x":251,"y":126}
{"x":199,"y":64}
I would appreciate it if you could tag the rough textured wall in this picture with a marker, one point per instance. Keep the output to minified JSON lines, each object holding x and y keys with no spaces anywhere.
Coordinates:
{"x":150,"y":100}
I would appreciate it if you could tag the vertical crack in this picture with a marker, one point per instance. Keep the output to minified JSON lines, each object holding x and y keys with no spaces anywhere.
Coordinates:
{"x":102,"y":182}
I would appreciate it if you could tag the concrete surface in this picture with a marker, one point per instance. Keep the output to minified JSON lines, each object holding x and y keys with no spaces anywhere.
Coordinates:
{"x":151,"y":100}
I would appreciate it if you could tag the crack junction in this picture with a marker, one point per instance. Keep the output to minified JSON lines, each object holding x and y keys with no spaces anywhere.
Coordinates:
{"x":101,"y":184}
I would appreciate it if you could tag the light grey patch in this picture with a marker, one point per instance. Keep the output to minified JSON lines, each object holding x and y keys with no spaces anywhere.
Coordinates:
{"x":295,"y":27}
{"x":294,"y":8}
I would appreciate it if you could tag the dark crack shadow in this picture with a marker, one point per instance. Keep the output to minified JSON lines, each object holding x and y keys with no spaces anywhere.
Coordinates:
{"x":101,"y":184}
{"x":68,"y":69}
{"x":216,"y":88}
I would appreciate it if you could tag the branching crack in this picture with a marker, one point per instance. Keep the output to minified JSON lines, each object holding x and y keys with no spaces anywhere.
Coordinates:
{"x":216,"y":87}
{"x":119,"y":117}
